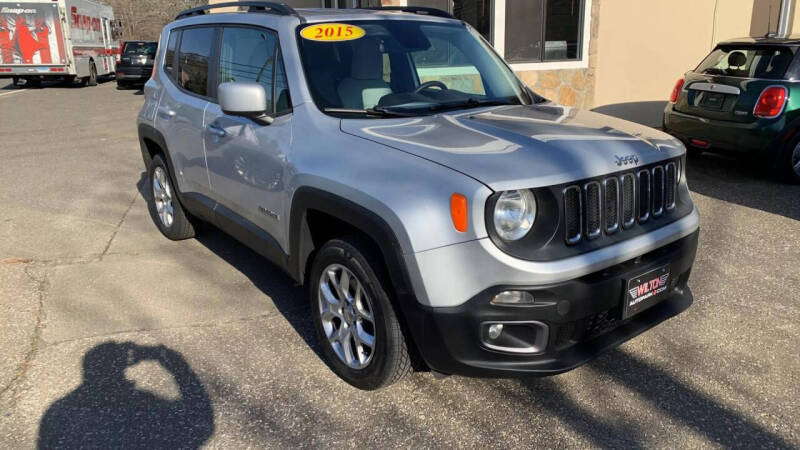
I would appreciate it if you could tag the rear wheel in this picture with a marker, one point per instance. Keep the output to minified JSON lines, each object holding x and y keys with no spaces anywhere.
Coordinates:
{"x":165,"y":207}
{"x":357,"y":327}
{"x":15,"y":81}
{"x":790,"y":164}
{"x":91,"y":80}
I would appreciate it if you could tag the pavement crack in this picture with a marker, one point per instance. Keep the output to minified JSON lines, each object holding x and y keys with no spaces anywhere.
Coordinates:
{"x":118,"y":227}
{"x":35,"y":339}
{"x":166,"y":328}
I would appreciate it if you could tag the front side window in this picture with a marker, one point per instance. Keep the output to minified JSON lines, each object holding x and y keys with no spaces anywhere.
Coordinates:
{"x":406,"y":67}
{"x":748,"y":62}
{"x":248,"y":54}
{"x":194,"y":56}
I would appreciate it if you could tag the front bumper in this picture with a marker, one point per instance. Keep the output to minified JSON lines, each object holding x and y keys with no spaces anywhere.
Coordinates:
{"x":583,"y":318}
{"x":738,"y":137}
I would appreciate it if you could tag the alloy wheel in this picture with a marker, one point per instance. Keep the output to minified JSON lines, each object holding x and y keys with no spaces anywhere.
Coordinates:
{"x":347,"y":316}
{"x":162,"y":194}
{"x":796,"y":160}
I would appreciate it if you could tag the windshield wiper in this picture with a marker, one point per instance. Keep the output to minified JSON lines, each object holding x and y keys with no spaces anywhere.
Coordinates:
{"x":472,"y":102}
{"x":377,"y":111}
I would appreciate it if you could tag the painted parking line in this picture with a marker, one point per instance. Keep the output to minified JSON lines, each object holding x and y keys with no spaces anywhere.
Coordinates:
{"x":14,"y":92}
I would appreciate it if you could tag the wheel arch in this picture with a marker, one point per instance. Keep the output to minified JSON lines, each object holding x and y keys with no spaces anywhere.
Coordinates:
{"x":309,"y":203}
{"x":151,"y":143}
{"x":349,"y":216}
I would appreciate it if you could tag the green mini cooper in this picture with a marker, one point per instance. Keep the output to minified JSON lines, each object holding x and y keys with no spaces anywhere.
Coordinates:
{"x":743,"y":98}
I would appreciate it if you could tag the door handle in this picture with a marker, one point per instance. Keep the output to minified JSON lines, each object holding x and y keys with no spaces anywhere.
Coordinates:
{"x":216,"y":131}
{"x":165,"y":113}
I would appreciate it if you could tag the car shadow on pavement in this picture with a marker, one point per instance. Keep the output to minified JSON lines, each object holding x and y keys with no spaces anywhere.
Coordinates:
{"x":289,"y":298}
{"x":742,"y":182}
{"x":108,"y":411}
{"x":672,"y":397}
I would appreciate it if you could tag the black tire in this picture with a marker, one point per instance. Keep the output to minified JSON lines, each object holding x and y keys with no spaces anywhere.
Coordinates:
{"x":15,"y":81}
{"x":33,"y":83}
{"x":91,"y":80}
{"x":122,"y":85}
{"x":181,"y":226}
{"x":390,"y":360}
{"x":789,"y":158}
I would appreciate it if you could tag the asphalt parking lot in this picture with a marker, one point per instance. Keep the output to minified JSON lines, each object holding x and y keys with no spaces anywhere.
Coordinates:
{"x":111,"y":335}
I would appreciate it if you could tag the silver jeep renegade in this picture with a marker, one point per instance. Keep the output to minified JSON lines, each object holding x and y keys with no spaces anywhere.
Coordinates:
{"x":443,"y":216}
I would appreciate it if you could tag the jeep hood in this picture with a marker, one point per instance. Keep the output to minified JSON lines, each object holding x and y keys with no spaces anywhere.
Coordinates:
{"x":512,"y":147}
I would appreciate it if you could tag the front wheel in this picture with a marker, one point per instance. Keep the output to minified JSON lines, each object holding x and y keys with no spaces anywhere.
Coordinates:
{"x":357,"y":326}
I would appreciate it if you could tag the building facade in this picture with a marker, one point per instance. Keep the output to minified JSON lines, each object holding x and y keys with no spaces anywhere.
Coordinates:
{"x":619,"y":56}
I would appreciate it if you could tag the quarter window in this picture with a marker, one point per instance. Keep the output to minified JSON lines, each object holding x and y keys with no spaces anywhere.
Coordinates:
{"x":169,"y":58}
{"x":248,"y":54}
{"x":283,"y":101}
{"x":194,"y":55}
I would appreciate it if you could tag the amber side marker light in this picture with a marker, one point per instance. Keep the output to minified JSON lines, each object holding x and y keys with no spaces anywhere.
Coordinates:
{"x":458,"y":211}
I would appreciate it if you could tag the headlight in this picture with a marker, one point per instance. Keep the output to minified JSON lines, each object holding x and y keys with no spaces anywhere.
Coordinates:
{"x":514,"y":214}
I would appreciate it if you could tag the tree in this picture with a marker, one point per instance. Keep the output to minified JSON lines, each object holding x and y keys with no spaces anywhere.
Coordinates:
{"x":144,"y":19}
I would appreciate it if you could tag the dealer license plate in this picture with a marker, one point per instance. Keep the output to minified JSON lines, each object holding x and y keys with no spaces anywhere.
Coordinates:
{"x":645,"y":291}
{"x":712,"y":100}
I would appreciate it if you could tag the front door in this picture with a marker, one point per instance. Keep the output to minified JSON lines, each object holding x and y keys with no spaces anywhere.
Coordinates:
{"x":247,"y":161}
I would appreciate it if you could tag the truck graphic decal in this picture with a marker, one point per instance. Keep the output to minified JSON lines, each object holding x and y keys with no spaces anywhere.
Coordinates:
{"x":30,"y":34}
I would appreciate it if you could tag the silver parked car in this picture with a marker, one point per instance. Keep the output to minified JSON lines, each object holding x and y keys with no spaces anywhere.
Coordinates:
{"x":442,"y":215}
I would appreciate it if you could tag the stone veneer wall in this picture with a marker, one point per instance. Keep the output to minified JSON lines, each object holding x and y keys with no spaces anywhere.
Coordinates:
{"x":571,"y":87}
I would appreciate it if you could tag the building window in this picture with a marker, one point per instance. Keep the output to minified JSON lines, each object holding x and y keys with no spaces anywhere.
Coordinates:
{"x":525,"y":32}
{"x":543,"y":30}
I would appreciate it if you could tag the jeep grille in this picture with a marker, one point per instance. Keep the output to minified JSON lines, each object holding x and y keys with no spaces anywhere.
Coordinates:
{"x":618,"y":202}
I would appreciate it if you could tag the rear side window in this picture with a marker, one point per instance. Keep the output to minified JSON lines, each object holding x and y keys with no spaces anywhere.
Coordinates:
{"x":169,"y":58}
{"x":248,"y":54}
{"x":194,"y":55}
{"x":748,"y":62}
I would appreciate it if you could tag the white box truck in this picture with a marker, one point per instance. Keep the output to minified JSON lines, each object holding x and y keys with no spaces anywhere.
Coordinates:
{"x":66,"y":39}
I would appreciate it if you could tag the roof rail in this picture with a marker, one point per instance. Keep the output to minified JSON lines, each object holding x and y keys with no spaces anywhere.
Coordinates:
{"x":414,"y":10}
{"x":281,"y":9}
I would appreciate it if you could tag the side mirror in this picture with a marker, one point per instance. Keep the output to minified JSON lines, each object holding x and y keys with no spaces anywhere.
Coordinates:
{"x":246,"y":99}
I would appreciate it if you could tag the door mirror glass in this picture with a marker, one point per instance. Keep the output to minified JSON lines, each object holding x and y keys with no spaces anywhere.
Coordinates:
{"x":244,"y":98}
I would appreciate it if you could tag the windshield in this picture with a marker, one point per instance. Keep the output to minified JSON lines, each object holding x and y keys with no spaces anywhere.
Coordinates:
{"x":403,"y":67}
{"x":748,"y":62}
{"x":140,"y":48}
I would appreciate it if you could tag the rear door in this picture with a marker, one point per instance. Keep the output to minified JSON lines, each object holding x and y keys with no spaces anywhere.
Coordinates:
{"x":182,"y":108}
{"x":247,"y":161}
{"x":728,"y":83}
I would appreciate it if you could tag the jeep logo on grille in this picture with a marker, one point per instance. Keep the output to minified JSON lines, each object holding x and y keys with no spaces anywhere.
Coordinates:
{"x":626,"y":160}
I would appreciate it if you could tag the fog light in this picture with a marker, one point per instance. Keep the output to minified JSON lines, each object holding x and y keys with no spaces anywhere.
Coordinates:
{"x":513,"y":298}
{"x":495,"y":330}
